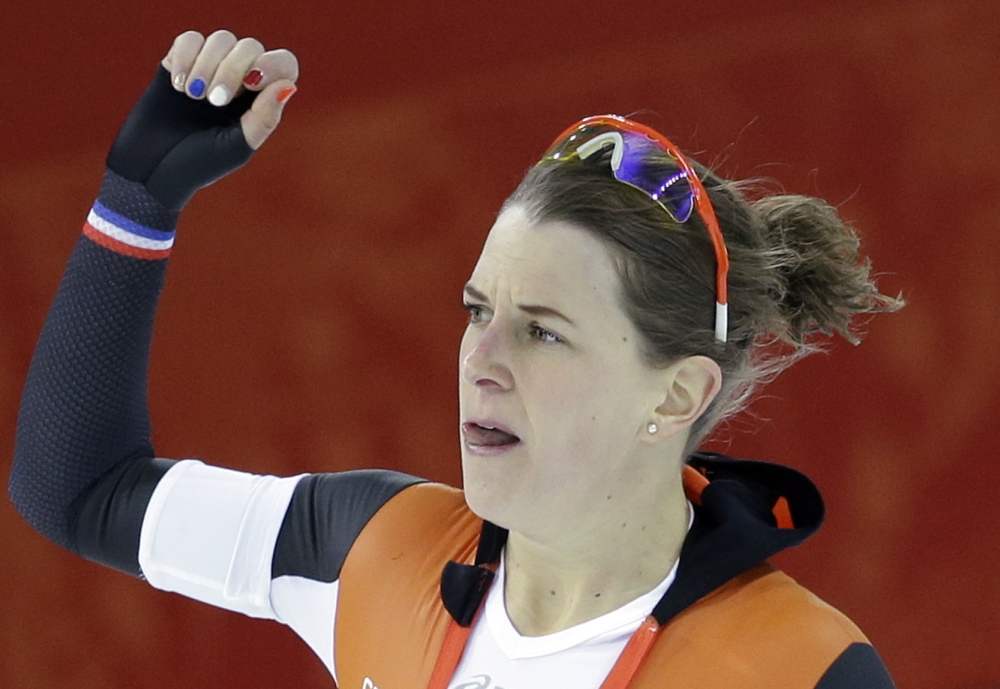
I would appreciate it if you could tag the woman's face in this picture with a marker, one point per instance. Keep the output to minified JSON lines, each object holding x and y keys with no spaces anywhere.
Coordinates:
{"x":550,"y":360}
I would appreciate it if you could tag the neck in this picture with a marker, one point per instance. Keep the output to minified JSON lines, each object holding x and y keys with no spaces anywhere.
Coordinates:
{"x":556,"y":583}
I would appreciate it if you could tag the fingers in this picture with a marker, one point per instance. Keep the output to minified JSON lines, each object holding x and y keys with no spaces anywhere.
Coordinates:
{"x":274,"y":75}
{"x":220,"y":66}
{"x":264,"y":115}
{"x":270,"y":67}
{"x":181,"y":57}
{"x":232,"y":69}
{"x":215,"y":49}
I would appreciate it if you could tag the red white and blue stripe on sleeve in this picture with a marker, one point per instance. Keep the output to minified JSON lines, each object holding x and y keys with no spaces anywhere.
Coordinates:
{"x":117,"y":233}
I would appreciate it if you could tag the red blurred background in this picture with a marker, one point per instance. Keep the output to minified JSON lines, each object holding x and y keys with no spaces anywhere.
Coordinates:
{"x":311,"y":320}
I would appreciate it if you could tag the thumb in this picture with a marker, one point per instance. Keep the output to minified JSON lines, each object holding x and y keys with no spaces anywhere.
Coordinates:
{"x":264,"y":115}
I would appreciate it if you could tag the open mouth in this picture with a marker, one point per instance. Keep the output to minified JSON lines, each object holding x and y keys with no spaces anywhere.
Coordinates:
{"x":481,"y":435}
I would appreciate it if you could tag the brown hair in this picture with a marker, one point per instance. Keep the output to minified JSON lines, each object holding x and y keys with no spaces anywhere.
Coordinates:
{"x":794,"y":271}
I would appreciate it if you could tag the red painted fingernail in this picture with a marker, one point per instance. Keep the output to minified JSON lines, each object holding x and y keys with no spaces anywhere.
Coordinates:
{"x":286,"y":93}
{"x":253,"y":78}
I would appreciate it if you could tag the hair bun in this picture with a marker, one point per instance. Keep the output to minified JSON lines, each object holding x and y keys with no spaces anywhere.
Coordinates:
{"x":824,"y":281}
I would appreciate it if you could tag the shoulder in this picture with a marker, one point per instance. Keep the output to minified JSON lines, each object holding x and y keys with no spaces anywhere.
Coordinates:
{"x":420,"y":516}
{"x":763,"y":629}
{"x":326,"y":515}
{"x":411,"y":538}
{"x":767,"y":597}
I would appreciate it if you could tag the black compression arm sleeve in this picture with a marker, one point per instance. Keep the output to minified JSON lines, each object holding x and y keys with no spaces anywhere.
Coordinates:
{"x":83,"y":468}
{"x":83,"y":413}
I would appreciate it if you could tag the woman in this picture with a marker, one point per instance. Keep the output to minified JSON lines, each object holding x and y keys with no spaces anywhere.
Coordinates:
{"x":624,"y":303}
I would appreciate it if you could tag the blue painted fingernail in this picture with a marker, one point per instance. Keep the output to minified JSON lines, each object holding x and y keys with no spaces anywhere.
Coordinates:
{"x":197,"y":88}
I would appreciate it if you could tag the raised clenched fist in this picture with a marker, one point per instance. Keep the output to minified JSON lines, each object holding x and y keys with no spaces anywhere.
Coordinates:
{"x":213,"y":102}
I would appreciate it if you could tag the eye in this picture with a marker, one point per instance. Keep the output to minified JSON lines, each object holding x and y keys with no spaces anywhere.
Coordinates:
{"x":543,"y":335}
{"x":477,"y":313}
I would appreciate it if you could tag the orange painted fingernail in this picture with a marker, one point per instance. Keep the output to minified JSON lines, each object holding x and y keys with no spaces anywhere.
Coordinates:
{"x":286,"y":93}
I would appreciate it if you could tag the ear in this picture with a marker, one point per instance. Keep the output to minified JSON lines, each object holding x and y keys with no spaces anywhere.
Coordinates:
{"x":691,"y":385}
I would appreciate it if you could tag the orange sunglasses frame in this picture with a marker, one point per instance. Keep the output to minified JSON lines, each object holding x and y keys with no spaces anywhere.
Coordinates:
{"x":702,"y":203}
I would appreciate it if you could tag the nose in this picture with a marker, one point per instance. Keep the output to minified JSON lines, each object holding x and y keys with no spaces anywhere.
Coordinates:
{"x":485,"y":359}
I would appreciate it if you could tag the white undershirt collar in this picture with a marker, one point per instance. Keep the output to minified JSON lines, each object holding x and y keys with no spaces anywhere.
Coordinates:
{"x":618,"y":622}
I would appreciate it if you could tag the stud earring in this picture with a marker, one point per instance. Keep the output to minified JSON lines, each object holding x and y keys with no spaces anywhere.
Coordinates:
{"x":652,"y":428}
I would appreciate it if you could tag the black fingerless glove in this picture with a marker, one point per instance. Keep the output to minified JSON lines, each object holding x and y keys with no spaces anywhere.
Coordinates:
{"x":174,"y":145}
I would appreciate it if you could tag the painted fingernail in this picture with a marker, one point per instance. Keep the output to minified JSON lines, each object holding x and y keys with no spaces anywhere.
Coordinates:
{"x":179,"y":79}
{"x":197,"y":88}
{"x":218,"y":95}
{"x":253,"y":78}
{"x":286,"y":93}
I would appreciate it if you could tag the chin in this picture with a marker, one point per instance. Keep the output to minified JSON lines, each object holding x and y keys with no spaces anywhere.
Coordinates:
{"x":479,"y":496}
{"x":488,"y":499}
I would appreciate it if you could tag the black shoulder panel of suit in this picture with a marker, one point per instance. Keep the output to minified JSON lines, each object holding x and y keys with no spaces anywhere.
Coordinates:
{"x":325,"y":516}
{"x":858,"y":667}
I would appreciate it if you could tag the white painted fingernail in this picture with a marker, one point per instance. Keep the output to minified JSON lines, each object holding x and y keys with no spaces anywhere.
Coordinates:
{"x":219,"y":95}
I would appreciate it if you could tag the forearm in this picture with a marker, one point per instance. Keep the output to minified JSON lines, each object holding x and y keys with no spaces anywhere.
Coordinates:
{"x":83,"y":468}
{"x":84,"y":408}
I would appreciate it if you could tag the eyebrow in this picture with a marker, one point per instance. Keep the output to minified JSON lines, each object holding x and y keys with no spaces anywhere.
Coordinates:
{"x":533,"y":309}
